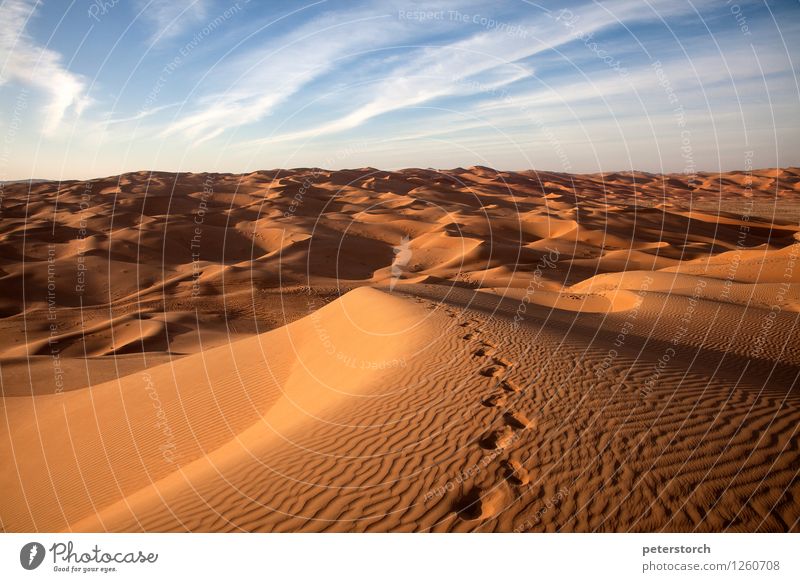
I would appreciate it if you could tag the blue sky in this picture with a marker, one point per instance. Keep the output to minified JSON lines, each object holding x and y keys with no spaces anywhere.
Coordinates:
{"x":96,"y":88}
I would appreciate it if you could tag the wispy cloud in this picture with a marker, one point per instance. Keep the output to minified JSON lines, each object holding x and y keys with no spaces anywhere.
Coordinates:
{"x":170,"y":18}
{"x":263,"y":78}
{"x":481,"y":63}
{"x":138,"y":116}
{"x":26,"y":62}
{"x":436,"y":72}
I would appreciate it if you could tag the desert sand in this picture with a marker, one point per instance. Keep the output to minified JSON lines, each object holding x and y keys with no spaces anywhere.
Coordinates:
{"x":420,"y":350}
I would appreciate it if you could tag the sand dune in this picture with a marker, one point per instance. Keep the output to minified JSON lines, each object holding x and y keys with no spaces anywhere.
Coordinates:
{"x":361,"y":350}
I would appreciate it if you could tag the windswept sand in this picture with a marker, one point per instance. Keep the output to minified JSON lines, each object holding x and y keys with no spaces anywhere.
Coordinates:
{"x":362,"y":350}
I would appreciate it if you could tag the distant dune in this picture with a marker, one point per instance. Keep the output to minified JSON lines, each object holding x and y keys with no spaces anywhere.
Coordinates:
{"x":420,"y":350}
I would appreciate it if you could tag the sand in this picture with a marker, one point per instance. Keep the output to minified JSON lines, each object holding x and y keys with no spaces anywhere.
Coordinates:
{"x":421,"y":350}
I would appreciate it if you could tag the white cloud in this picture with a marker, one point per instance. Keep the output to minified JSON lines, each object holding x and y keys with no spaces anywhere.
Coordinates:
{"x":169,"y":18}
{"x":482,"y":62}
{"x":266,"y":77}
{"x":26,"y":62}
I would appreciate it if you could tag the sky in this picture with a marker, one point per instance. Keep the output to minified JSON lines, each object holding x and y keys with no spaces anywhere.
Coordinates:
{"x":101,"y":87}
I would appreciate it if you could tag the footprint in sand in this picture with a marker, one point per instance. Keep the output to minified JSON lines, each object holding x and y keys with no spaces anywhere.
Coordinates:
{"x":515,"y":473}
{"x":493,"y":371}
{"x":495,"y":400}
{"x":510,"y":386}
{"x":478,"y":504}
{"x":498,"y":367}
{"x":498,"y":439}
{"x":500,"y":361}
{"x":517,"y":420}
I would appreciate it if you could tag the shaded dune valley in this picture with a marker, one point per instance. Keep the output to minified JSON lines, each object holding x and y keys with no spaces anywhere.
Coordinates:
{"x":430,"y":351}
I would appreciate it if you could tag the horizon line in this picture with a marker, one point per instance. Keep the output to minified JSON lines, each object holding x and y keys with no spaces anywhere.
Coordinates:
{"x":405,"y":169}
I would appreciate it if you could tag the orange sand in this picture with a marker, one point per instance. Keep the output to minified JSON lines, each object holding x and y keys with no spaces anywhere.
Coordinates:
{"x":362,"y":350}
